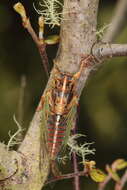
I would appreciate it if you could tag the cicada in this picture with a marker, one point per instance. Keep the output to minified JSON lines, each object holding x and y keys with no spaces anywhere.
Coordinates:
{"x":59,"y":108}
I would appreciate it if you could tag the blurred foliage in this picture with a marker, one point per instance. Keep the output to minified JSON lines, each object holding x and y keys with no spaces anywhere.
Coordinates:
{"x":103,"y":104}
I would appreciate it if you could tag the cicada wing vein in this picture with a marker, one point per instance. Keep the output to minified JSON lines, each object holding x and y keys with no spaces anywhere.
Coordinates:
{"x":69,"y":119}
{"x":43,"y":128}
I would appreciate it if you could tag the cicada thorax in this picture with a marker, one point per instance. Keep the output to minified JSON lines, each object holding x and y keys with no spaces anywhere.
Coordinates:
{"x":61,"y":96}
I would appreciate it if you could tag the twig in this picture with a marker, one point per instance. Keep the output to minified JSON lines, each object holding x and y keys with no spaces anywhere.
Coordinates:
{"x":40,"y":45}
{"x":106,"y":50}
{"x":103,"y":184}
{"x":14,"y":140}
{"x":76,"y":177}
{"x":44,"y":57}
{"x":67,"y":176}
{"x":39,"y":42}
{"x":112,"y":174}
{"x":21,"y":105}
{"x":118,"y":21}
{"x":21,"y":99}
{"x":121,"y":183}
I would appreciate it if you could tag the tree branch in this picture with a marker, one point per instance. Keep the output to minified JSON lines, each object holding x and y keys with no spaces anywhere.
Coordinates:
{"x":118,"y":21}
{"x":78,"y":34}
{"x":39,"y":41}
{"x":103,"y":51}
{"x":74,"y":44}
{"x":40,"y":45}
{"x":67,"y":176}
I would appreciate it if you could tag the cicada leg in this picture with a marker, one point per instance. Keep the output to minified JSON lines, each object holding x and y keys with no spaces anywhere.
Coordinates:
{"x":85,"y":62}
{"x":40,"y":106}
{"x":78,"y":74}
{"x":54,"y":168}
{"x":73,"y":102}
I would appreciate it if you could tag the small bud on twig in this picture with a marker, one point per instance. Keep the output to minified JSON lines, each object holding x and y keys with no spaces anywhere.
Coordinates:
{"x":41,"y":27}
{"x":39,"y":41}
{"x":41,"y":22}
{"x":19,"y":8}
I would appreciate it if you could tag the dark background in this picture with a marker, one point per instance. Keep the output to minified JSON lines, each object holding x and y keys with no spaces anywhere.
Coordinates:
{"x":103,"y":104}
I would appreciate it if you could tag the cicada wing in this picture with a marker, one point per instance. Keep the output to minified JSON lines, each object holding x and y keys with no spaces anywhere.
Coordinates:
{"x":43,"y":130}
{"x":70,"y":120}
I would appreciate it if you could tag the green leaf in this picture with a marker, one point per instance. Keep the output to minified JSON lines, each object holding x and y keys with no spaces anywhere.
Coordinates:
{"x":53,"y":39}
{"x":97,"y":175}
{"x":119,"y":164}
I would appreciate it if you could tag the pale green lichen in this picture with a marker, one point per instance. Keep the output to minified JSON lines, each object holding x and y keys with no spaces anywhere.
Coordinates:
{"x":81,"y":150}
{"x":14,"y":140}
{"x":102,"y":30}
{"x":51,"y":10}
{"x":63,"y":159}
